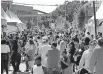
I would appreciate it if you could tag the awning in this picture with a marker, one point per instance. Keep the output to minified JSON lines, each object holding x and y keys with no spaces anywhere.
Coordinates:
{"x":4,"y":15}
{"x":11,"y":20}
{"x":13,"y":17}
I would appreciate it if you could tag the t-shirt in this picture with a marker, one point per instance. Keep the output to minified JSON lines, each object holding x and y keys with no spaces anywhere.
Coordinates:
{"x":85,"y":59}
{"x":37,"y":69}
{"x":53,"y":58}
{"x":5,"y":49}
{"x":31,"y":53}
{"x":43,"y":52}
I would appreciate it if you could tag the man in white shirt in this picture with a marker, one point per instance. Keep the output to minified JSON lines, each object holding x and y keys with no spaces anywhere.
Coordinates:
{"x":5,"y":50}
{"x":43,"y":51}
{"x":96,"y":61}
{"x":85,"y":60}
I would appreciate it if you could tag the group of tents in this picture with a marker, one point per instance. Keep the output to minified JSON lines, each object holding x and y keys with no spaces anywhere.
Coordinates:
{"x":10,"y":22}
{"x":90,"y":27}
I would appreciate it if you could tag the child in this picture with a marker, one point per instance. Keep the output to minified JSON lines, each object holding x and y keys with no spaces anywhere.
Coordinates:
{"x":38,"y":68}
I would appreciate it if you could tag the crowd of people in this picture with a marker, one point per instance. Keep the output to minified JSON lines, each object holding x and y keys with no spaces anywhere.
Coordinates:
{"x":52,"y":52}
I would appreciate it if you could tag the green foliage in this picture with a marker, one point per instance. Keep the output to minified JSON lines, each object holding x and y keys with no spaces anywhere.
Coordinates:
{"x":75,"y":11}
{"x":69,"y":7}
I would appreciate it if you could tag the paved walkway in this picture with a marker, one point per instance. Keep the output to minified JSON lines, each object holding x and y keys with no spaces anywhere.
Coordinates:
{"x":22,"y":68}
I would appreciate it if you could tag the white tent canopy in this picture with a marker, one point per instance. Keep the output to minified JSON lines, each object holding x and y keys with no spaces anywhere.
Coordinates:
{"x":13,"y":16}
{"x":99,"y":16}
{"x":4,"y":15}
{"x":11,"y":20}
{"x":99,"y":13}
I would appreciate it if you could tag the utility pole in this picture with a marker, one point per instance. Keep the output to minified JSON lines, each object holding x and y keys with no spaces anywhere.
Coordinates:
{"x":95,"y":21}
{"x":65,"y":10}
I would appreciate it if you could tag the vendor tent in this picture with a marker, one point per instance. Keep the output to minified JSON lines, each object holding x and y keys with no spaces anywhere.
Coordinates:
{"x":99,"y":16}
{"x":15,"y":20}
{"x":4,"y":19}
{"x":4,"y":15}
{"x":11,"y":21}
{"x":13,"y":16}
{"x":99,"y":13}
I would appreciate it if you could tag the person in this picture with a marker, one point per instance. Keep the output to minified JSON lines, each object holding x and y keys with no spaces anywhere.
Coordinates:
{"x":72,"y":50}
{"x":78,"y":54}
{"x":43,"y":51}
{"x":16,"y":56}
{"x":88,"y":34}
{"x":86,"y":41}
{"x":71,"y":53}
{"x":38,"y":68}
{"x":62,"y":46}
{"x":92,"y":37}
{"x":27,"y":53}
{"x":96,"y":61}
{"x":31,"y":54}
{"x":65,"y":62}
{"x":53,"y":59}
{"x":5,"y":51}
{"x":100,"y":35}
{"x":76,"y":39}
{"x":84,"y":62}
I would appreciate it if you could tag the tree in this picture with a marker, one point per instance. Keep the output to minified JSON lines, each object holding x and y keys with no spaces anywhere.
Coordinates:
{"x":72,"y":10}
{"x":81,"y":19}
{"x":69,"y":7}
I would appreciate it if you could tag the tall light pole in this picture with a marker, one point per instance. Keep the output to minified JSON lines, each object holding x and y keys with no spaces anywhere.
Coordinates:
{"x":95,"y":21}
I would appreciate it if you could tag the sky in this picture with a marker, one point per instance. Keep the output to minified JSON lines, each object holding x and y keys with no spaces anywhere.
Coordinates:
{"x":47,"y":9}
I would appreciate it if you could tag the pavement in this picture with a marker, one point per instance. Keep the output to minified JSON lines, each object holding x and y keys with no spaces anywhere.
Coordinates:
{"x":22,"y":68}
